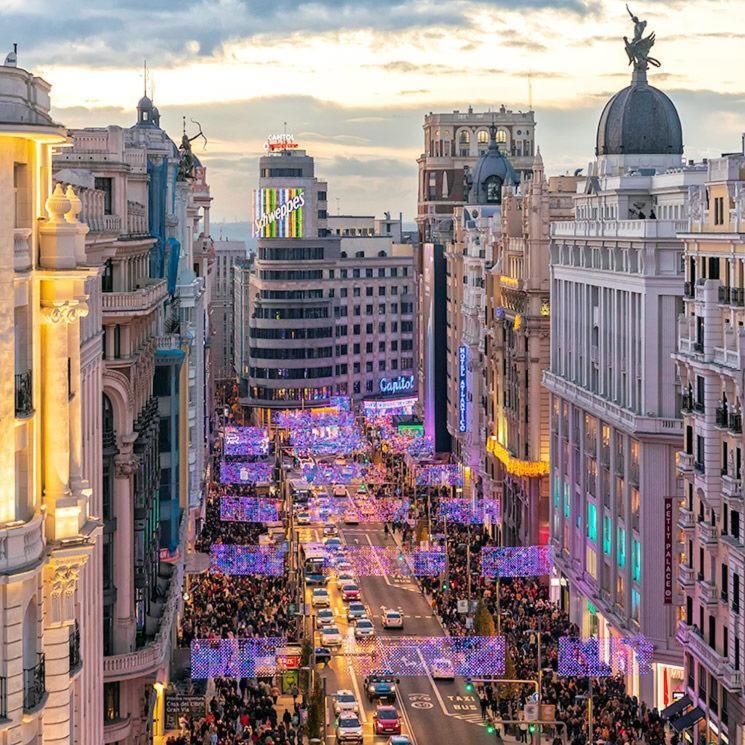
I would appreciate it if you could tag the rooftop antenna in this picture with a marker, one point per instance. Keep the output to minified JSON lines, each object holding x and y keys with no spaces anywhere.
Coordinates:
{"x":144,"y":77}
{"x":530,"y":91}
{"x":338,"y":208}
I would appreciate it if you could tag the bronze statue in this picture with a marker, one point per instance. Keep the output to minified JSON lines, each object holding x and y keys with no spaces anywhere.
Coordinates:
{"x":638,"y":48}
{"x":187,"y":163}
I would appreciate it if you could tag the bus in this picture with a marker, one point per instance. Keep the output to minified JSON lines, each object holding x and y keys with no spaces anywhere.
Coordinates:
{"x":300,"y":491}
{"x":315,"y":560}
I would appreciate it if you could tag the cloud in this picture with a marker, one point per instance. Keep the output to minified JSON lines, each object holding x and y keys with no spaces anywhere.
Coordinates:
{"x":368,"y":167}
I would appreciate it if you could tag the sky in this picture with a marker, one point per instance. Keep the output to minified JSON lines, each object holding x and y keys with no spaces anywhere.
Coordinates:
{"x":353,"y":80}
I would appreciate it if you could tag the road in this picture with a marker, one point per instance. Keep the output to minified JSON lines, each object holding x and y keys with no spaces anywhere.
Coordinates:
{"x":432,"y":712}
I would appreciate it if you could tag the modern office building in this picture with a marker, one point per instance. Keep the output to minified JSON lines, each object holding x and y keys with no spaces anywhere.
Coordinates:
{"x":50,"y":486}
{"x":453,"y":142}
{"x":222,"y":312}
{"x":327,"y":315}
{"x":616,"y":292}
{"x":710,"y":368}
{"x":516,"y":351}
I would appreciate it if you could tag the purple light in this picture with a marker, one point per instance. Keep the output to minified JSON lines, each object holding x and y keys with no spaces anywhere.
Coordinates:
{"x":604,"y":657}
{"x":428,"y":563}
{"x":230,"y":559}
{"x":448,"y":474}
{"x":396,"y":407}
{"x":245,"y":473}
{"x":249,"y":510}
{"x":246,"y":441}
{"x":327,"y":440}
{"x":412,"y":656}
{"x":235,"y":658}
{"x":308,"y":418}
{"x":342,"y":403}
{"x":331,"y":473}
{"x":524,"y":561}
{"x":464,"y":511}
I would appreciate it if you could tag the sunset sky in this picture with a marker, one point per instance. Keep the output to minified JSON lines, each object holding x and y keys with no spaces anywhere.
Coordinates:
{"x":354,"y":79}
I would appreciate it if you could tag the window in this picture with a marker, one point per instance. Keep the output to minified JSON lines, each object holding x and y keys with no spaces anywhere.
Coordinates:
{"x":369,"y":309}
{"x":368,"y":386}
{"x":381,"y":291}
{"x":381,"y":328}
{"x":368,"y":273}
{"x":356,"y":349}
{"x":394,"y":308}
{"x":381,"y":308}
{"x":621,"y":547}
{"x":381,"y":346}
{"x":356,"y":368}
{"x":381,"y":366}
{"x":356,"y":310}
{"x":355,"y":273}
{"x":356,"y":292}
{"x":356,"y":387}
{"x":105,"y":185}
{"x":394,"y":365}
{"x":369,"y":347}
{"x":502,"y":136}
{"x":356,"y":329}
{"x":368,"y":291}
{"x":493,"y":190}
{"x":591,"y":562}
{"x":592,"y":522}
{"x":718,"y":210}
{"x":343,"y":292}
{"x":635,"y":604}
{"x":381,"y":271}
{"x":394,"y":345}
{"x":368,"y":367}
{"x":636,"y":560}
{"x":368,"y":328}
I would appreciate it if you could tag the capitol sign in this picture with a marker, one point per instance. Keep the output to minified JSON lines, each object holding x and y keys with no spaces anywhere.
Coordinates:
{"x":401,"y":384}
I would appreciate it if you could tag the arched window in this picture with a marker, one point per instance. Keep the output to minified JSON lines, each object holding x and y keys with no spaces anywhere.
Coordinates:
{"x":483,"y":137}
{"x":502,"y":135}
{"x":493,"y":188}
{"x":382,"y":253}
{"x":464,"y":143}
{"x":360,"y":254}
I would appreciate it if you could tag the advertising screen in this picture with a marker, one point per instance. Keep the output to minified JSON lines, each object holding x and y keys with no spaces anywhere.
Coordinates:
{"x":278,"y":213}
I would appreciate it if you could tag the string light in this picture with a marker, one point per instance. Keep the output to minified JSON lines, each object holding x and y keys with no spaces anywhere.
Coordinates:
{"x":246,"y":441}
{"x":326,"y":474}
{"x":447,"y":474}
{"x":465,"y":511}
{"x":245,"y":473}
{"x":604,"y":657}
{"x":515,"y":466}
{"x":327,"y":440}
{"x":521,"y":561}
{"x":249,"y":510}
{"x":235,"y":658}
{"x":231,"y":559}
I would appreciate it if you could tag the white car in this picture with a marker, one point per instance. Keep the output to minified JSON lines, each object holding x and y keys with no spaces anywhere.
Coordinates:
{"x":442,"y":669}
{"x":351,"y":517}
{"x":303,"y":518}
{"x":344,"y":578}
{"x":325,"y":617}
{"x":320,"y":598}
{"x":340,"y":491}
{"x":345,"y":703}
{"x":349,"y":729}
{"x":331,"y":636}
{"x":364,"y":629}
{"x":343,"y":567}
{"x":392,"y":619}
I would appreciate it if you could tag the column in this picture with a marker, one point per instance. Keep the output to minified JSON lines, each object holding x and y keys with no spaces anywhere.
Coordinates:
{"x":76,"y":400}
{"x":125,"y":465}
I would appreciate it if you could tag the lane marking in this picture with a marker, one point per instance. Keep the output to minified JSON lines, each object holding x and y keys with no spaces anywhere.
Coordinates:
{"x":363,"y":714}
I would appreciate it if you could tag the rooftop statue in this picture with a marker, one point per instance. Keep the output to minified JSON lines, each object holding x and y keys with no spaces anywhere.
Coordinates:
{"x":638,"y":48}
{"x":188,"y":162}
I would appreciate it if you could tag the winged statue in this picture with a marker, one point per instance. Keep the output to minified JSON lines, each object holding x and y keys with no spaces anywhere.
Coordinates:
{"x":638,"y":48}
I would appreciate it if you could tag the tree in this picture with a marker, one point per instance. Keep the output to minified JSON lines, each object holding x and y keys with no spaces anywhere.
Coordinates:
{"x":316,"y":710}
{"x":484,"y":623}
{"x":306,"y":654}
{"x":422,"y":534}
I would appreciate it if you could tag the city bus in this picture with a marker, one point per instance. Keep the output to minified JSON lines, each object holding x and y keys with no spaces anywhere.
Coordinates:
{"x":300,"y":491}
{"x":315,"y":559}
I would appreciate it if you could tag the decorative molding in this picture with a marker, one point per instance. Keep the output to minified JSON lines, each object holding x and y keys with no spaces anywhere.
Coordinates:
{"x":61,"y":584}
{"x":64,"y":311}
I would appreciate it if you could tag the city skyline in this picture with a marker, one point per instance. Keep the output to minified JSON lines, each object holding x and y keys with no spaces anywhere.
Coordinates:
{"x":242,"y":70}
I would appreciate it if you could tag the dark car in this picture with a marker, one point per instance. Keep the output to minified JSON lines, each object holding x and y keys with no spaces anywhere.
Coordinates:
{"x":380,"y":686}
{"x":323,"y":655}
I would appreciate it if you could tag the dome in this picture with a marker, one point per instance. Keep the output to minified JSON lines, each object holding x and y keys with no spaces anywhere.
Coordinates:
{"x":639,"y":120}
{"x":145,"y":111}
{"x":490,"y":172}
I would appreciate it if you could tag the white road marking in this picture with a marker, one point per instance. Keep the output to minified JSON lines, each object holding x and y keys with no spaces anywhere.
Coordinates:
{"x":363,"y":715}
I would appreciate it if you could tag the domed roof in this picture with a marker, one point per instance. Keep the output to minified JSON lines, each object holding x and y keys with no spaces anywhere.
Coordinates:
{"x":639,"y":120}
{"x":145,"y":103}
{"x":489,"y":173}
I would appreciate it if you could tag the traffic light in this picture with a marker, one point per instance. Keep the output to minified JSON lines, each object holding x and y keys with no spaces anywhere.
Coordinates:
{"x":531,"y":728}
{"x":444,"y":585}
{"x":490,"y":729}
{"x":469,"y":685}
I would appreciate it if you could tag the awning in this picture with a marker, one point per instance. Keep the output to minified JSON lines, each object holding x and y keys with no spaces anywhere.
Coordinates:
{"x":676,"y":708}
{"x":687,"y":720}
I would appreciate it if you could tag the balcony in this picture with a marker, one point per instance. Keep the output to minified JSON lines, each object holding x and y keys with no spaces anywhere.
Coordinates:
{"x":724,"y":295}
{"x":152,"y":656}
{"x":23,"y":544}
{"x":618,"y":228}
{"x":691,"y":640}
{"x":698,"y":466}
{"x":684,"y":461}
{"x":139,"y":302}
{"x":708,"y":593}
{"x":686,"y":402}
{"x":731,"y":487}
{"x":686,"y":576}
{"x":34,"y":685}
{"x":721,"y":416}
{"x":734,"y":423}
{"x":685,"y":519}
{"x":737,"y":296}
{"x":76,"y":661}
{"x":708,"y":534}
{"x":24,"y":386}
{"x":689,"y":290}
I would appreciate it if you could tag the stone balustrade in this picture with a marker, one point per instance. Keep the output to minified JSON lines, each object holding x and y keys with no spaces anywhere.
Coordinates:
{"x":138,"y":302}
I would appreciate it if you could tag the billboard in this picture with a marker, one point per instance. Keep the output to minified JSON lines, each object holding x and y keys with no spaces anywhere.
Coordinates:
{"x":278,"y":213}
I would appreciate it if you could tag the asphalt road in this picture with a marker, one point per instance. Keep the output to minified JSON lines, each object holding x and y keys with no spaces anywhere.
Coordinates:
{"x":432,"y":712}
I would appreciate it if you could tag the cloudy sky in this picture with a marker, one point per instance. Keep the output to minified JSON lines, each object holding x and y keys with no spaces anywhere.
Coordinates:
{"x":353,"y":80}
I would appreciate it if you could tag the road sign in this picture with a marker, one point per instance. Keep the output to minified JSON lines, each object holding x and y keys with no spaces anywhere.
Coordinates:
{"x":463,"y":606}
{"x":531,"y":712}
{"x":469,"y":622}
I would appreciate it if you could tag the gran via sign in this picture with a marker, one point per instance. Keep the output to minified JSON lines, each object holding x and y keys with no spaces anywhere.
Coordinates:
{"x":401,"y":384}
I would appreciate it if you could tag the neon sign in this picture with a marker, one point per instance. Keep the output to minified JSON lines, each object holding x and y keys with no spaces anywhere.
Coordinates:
{"x":462,"y":388}
{"x":277,"y":143}
{"x":401,"y":384}
{"x":278,"y":213}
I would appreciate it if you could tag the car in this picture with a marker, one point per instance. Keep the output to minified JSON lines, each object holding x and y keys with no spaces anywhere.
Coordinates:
{"x":386,"y":721}
{"x":361,"y":489}
{"x":380,"y":686}
{"x":349,"y":729}
{"x":320,"y":598}
{"x":392,"y":619}
{"x":333,"y":543}
{"x":355,"y":611}
{"x":364,"y":629}
{"x":343,"y":566}
{"x":399,"y":740}
{"x":345,"y":702}
{"x":323,"y":655}
{"x":344,"y":578}
{"x":302,"y":518}
{"x":329,"y":529}
{"x":331,"y":636}
{"x":351,"y":517}
{"x":325,"y":617}
{"x":350,"y":592}
{"x":442,"y":669}
{"x":340,"y":491}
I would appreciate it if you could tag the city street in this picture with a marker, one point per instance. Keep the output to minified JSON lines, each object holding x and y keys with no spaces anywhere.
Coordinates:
{"x":432,"y":711}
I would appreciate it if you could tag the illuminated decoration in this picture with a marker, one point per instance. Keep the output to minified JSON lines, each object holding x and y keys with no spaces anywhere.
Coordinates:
{"x":327,"y":474}
{"x":278,"y":143}
{"x":518,"y":322}
{"x":246,"y":441}
{"x":421,"y":448}
{"x":519,"y":561}
{"x":400,"y":406}
{"x":465,"y":511}
{"x":441,"y":474}
{"x":263,"y":561}
{"x":342,"y":403}
{"x":415,"y":656}
{"x":509,"y":281}
{"x":462,"y":388}
{"x":401,"y":384}
{"x":278,"y":213}
{"x":235,"y":658}
{"x":308,"y":418}
{"x":546,"y":308}
{"x":531,"y":469}
{"x":499,"y":313}
{"x":248,"y":510}
{"x":332,"y":440}
{"x":245,"y":473}
{"x":604,"y":657}
{"x":428,"y":562}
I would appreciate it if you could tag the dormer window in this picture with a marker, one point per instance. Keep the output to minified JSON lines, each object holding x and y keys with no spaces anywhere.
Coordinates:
{"x":493,"y":188}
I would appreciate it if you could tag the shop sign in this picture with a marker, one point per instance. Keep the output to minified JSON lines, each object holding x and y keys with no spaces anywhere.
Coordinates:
{"x":401,"y":384}
{"x":462,"y":388}
{"x":276,"y":143}
{"x":668,"y":592}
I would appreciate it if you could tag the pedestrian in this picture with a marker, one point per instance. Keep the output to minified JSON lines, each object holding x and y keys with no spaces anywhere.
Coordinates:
{"x":484,"y":702}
